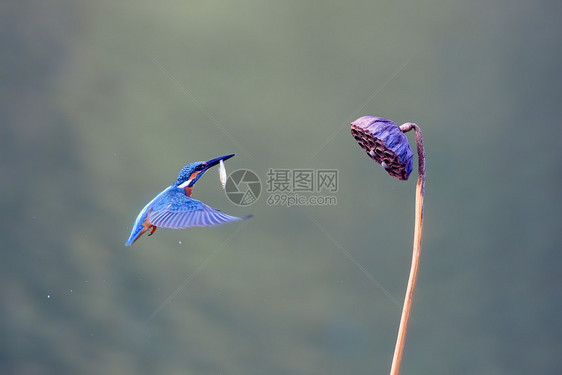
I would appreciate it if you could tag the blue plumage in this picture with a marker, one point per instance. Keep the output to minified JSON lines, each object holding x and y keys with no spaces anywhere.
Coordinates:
{"x":178,"y":211}
{"x":174,"y":208}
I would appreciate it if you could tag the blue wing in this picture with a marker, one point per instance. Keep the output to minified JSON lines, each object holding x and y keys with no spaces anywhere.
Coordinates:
{"x":178,"y":211}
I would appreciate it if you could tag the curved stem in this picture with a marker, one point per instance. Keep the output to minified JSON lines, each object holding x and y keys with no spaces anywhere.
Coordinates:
{"x":418,"y":231}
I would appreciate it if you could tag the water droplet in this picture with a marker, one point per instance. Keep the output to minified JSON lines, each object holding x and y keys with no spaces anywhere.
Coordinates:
{"x":48,"y":296}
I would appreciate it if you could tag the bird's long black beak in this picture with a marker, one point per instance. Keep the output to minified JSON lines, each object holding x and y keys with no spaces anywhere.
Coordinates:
{"x":202,"y":168}
{"x":213,"y":162}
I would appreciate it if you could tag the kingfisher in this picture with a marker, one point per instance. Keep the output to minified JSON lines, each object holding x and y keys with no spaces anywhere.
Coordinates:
{"x":174,"y":208}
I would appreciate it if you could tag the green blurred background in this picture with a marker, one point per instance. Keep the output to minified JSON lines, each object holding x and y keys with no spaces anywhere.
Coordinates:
{"x":103,"y":102}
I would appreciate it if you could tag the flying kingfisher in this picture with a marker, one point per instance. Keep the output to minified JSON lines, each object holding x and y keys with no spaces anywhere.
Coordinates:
{"x":174,"y":207}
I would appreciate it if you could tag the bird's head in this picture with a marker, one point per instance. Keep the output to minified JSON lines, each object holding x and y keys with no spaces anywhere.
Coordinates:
{"x":189,"y":174}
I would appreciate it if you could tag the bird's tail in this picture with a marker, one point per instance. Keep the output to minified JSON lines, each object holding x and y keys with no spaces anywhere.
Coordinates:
{"x":138,"y":230}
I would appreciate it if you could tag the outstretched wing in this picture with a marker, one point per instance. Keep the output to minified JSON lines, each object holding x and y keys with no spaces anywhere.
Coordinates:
{"x":180,"y":211}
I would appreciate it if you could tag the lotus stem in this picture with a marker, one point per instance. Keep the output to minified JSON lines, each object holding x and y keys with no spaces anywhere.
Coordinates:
{"x":418,"y":231}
